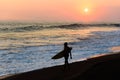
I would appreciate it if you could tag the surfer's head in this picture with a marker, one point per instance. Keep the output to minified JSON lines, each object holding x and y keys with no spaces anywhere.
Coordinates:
{"x":65,"y":44}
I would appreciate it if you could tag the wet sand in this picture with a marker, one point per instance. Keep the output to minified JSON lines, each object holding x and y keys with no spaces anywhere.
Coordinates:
{"x":103,"y":67}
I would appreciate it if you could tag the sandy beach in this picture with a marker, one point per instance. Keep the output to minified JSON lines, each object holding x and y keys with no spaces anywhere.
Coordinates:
{"x":96,"y":68}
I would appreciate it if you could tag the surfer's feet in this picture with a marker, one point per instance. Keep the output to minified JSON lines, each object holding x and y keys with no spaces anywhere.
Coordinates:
{"x":66,"y":68}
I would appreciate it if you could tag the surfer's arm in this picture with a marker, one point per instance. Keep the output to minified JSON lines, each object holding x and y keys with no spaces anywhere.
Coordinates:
{"x":70,"y":55}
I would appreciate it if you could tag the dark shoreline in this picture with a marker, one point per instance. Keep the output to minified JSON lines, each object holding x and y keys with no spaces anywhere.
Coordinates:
{"x":105,"y":67}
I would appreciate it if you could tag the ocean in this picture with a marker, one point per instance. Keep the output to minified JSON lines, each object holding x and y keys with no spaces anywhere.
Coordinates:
{"x":29,"y":46}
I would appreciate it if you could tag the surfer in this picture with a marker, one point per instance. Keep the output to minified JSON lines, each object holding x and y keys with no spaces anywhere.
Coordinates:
{"x":67,"y":52}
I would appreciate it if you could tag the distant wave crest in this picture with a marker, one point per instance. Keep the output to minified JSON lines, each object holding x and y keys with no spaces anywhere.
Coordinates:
{"x":40,"y":27}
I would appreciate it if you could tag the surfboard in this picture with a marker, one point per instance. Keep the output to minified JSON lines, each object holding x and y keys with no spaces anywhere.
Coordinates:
{"x":61,"y":54}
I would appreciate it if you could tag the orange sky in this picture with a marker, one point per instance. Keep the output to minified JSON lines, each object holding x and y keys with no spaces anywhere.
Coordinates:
{"x":60,"y":10}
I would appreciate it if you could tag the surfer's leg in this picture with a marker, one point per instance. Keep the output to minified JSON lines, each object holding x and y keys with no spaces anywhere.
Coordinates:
{"x":67,"y":64}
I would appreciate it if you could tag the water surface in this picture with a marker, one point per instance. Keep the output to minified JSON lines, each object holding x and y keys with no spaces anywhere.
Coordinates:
{"x":26,"y":47}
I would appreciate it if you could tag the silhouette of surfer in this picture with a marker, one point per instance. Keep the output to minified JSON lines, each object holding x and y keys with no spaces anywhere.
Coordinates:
{"x":67,"y":53}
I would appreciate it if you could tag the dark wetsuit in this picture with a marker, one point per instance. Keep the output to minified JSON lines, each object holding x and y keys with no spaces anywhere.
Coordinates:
{"x":67,"y":51}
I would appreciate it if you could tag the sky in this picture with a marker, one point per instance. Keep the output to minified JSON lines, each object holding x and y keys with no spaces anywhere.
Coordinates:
{"x":60,"y":10}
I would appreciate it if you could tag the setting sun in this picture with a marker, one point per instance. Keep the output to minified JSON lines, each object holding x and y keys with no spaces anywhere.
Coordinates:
{"x":86,"y":10}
